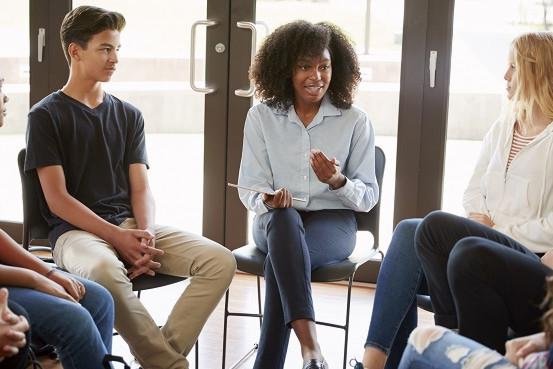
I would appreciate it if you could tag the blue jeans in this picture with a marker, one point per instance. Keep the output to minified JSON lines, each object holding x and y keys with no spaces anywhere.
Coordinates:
{"x":296,"y":242}
{"x":81,"y":333}
{"x":439,"y":348}
{"x":400,"y":278}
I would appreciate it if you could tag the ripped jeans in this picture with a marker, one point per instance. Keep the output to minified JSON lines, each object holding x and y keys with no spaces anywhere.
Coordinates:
{"x":437,"y":347}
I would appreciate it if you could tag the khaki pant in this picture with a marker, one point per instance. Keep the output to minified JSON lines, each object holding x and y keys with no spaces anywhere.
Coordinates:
{"x":209,"y":265}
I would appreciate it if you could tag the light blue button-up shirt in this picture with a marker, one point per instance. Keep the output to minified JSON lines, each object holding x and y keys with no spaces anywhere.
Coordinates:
{"x":276,"y":150}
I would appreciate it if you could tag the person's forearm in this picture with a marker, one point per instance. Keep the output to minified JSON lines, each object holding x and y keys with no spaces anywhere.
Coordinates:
{"x":17,"y":277}
{"x":143,"y":208}
{"x":73,"y":211}
{"x":13,"y":254}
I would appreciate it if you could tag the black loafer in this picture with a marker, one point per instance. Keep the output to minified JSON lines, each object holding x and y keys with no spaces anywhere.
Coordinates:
{"x":315,"y":364}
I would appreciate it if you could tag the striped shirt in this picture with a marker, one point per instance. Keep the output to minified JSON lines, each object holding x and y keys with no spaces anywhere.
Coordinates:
{"x":519,"y":141}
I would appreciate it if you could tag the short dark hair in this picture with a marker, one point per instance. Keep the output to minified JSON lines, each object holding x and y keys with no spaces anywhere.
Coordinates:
{"x":83,"y":22}
{"x":275,"y":61}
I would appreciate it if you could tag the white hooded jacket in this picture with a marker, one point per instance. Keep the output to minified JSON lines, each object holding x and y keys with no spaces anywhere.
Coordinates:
{"x":519,"y":200}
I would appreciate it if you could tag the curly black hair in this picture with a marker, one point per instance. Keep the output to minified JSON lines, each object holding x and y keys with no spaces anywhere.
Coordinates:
{"x":274,"y":63}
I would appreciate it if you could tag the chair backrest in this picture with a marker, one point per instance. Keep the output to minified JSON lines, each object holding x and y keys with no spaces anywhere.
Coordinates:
{"x":370,"y":221}
{"x":35,"y":226}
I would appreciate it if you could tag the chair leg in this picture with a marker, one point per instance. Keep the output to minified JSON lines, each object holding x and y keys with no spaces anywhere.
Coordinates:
{"x":259,"y":301}
{"x":225,"y":321}
{"x":259,"y":315}
{"x":346,"y":327}
{"x":246,"y":357}
{"x":197,"y":353}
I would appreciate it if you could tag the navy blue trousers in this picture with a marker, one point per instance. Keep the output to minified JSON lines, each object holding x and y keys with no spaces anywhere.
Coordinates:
{"x":296,"y":242}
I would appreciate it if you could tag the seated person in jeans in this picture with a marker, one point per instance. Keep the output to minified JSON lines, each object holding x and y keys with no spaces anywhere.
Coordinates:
{"x":438,"y":347}
{"x":72,"y":314}
{"x":509,"y":200}
{"x":14,"y":334}
{"x":89,"y":150}
{"x":514,"y":220}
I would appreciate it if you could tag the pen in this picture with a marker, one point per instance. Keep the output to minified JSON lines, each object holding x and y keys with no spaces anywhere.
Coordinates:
{"x":260,"y":191}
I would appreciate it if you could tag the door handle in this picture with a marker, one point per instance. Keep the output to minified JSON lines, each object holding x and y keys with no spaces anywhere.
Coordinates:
{"x":432,"y":67}
{"x":193,"y":86}
{"x":41,"y":42}
{"x":251,"y":26}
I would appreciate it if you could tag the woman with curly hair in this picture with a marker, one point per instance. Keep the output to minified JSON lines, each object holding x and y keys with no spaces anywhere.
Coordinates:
{"x":310,"y":154}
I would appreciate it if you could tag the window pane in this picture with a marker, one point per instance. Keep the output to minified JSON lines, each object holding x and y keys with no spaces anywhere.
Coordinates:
{"x":14,"y":67}
{"x":477,"y":89}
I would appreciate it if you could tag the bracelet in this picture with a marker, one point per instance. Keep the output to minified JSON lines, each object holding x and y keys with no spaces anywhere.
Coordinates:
{"x":49,"y":273}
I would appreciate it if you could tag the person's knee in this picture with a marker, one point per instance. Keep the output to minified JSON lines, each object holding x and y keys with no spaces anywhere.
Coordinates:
{"x":219,"y":263}
{"x":402,"y":248}
{"x":407,"y":227}
{"x":469,"y":255}
{"x":284,"y":217}
{"x":436,"y":218}
{"x":74,"y":323}
{"x":101,"y":297}
{"x":422,"y":337}
{"x":433,"y":221}
{"x":109,"y":274}
{"x":226,"y":262}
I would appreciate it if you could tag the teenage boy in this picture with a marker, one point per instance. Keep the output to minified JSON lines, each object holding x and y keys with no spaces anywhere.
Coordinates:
{"x":88,"y":148}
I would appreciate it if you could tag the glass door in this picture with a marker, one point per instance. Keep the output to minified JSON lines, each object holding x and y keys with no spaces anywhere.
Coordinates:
{"x":14,"y":68}
{"x":156,"y":70}
{"x":477,"y":89}
{"x":173,"y":66}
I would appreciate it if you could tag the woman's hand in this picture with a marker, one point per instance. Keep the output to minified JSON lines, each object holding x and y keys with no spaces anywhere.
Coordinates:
{"x":327,"y":170}
{"x":482,"y":219}
{"x":517,"y":349}
{"x":60,"y":285}
{"x":281,"y":199}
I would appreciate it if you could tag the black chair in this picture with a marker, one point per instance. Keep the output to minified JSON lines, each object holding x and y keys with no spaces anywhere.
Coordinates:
{"x":250,"y":260}
{"x":424,"y":302}
{"x":35,"y":229}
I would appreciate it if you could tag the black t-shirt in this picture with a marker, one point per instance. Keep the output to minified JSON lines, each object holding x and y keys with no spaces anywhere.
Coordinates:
{"x":95,"y":148}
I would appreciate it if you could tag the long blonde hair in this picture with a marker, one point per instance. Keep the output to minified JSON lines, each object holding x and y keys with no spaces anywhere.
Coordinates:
{"x":533,"y":58}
